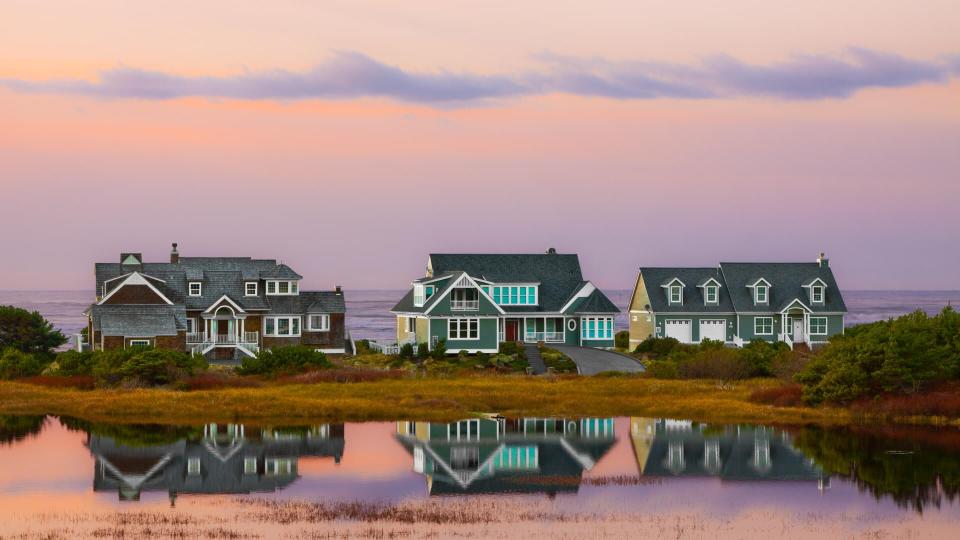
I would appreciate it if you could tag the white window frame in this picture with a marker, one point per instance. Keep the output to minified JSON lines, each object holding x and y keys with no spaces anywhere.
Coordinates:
{"x":585,"y":326}
{"x":192,"y":325}
{"x":756,"y":294}
{"x":276,"y":326}
{"x":460,"y":329}
{"x":816,"y":290}
{"x":273,"y":287}
{"x":679,"y":290}
{"x":139,"y":343}
{"x":757,"y":320}
{"x":246,"y":288}
{"x":826,"y":326}
{"x":324,"y":322}
{"x":706,"y":294}
{"x":418,"y":295}
{"x":199,"y":286}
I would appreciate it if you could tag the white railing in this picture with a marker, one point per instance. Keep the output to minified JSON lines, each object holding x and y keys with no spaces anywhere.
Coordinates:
{"x":464,"y":305}
{"x":549,"y":337}
{"x":223,"y":339}
{"x":786,"y":339}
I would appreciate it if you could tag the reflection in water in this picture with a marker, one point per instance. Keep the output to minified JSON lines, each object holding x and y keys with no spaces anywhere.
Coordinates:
{"x":217,"y":458}
{"x":17,"y":428}
{"x":500,"y":455}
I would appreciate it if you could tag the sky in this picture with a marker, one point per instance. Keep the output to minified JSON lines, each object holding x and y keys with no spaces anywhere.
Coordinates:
{"x":351,"y":139}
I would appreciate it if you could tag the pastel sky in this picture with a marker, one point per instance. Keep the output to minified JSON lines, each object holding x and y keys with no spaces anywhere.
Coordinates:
{"x":351,"y":138}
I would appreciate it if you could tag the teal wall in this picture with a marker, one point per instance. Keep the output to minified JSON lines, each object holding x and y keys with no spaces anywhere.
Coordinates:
{"x":488,"y":335}
{"x":731,"y":321}
{"x":571,"y":337}
{"x":442,"y":308}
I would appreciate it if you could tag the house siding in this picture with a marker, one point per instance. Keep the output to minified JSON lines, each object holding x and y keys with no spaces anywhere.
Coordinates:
{"x":331,"y":339}
{"x":134,"y":294}
{"x":486,"y":341}
{"x":442,"y":308}
{"x":641,"y":325}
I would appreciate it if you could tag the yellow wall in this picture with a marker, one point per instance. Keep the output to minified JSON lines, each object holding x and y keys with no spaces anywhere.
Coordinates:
{"x":641,"y":324}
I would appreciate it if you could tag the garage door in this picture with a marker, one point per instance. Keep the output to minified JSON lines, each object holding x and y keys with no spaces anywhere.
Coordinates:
{"x":678,"y":329}
{"x":715,"y":330}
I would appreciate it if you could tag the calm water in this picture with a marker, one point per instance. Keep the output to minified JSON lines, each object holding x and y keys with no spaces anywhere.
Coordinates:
{"x":368,"y":312}
{"x":628,"y":466}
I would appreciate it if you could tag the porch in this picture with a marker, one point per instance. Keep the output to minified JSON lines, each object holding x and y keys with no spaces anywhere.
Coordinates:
{"x":795,"y":325}
{"x":223,"y":328}
{"x":531,"y":329}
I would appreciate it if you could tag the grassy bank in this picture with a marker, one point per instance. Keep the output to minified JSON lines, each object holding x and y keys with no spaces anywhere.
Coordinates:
{"x":422,"y":399}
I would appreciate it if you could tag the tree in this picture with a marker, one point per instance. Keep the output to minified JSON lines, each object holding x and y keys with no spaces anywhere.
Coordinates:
{"x":28,"y":331}
{"x":15,"y":364}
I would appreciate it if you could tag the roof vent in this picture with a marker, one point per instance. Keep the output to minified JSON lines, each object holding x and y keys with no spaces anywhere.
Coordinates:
{"x":552,"y":251}
{"x":174,"y":255}
{"x":131,"y":259}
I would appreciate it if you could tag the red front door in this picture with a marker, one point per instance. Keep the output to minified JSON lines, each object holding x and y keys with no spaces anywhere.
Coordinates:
{"x":511,"y":330}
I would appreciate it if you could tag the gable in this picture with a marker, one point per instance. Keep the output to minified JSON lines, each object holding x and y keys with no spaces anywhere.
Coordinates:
{"x":135,"y":289}
{"x":440,"y":303}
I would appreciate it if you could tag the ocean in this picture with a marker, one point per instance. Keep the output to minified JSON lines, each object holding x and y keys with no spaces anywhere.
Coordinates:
{"x":368,"y":311}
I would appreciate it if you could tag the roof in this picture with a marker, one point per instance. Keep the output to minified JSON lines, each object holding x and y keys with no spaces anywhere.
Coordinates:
{"x":139,"y":320}
{"x":281,"y":271}
{"x":596,"y":302}
{"x":786,"y":285}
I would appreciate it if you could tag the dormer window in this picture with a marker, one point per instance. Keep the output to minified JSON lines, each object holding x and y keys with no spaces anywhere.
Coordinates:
{"x":282,"y":288}
{"x":816,"y":294}
{"x":418,"y":295}
{"x":760,"y":294}
{"x":428,"y":291}
{"x":711,"y":292}
{"x":250,"y":288}
{"x":196,"y":288}
{"x":676,"y":294}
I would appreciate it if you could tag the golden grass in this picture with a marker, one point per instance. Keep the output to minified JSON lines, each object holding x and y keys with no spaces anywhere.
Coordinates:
{"x":419,"y":399}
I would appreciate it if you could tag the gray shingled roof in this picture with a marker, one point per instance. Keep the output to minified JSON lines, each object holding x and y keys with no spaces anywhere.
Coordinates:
{"x":656,"y":277}
{"x":281,"y":271}
{"x":139,"y":320}
{"x":596,"y":302}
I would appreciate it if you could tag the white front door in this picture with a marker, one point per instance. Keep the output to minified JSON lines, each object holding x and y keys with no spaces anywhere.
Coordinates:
{"x":798,"y":336}
{"x":678,"y":329}
{"x":713,"y":329}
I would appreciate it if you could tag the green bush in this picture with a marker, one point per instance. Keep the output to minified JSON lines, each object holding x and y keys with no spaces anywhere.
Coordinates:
{"x":622,"y":340}
{"x":714,"y":363}
{"x":901,"y":356}
{"x":423,"y":350}
{"x":406,"y":351}
{"x":439,"y":351}
{"x":15,"y":364}
{"x":662,"y":369}
{"x":759,"y":355}
{"x":284,"y":360}
{"x":657,"y":346}
{"x":155,"y":367}
{"x":73,"y":363}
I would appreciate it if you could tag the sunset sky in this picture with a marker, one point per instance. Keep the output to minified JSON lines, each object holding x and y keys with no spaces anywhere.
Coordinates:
{"x":352,"y":138}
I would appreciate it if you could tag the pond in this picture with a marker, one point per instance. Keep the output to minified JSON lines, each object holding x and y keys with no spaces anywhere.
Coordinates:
{"x":488,"y":476}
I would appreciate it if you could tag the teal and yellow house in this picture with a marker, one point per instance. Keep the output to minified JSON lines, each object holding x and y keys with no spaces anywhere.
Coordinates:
{"x":796,"y":303}
{"x":476,"y":301}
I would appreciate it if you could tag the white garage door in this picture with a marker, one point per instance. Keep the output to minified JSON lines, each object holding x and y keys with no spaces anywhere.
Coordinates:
{"x":678,"y":329}
{"x":715,"y":330}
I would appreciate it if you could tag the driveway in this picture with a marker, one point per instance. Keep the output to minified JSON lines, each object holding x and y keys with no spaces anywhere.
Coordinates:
{"x":593,"y":361}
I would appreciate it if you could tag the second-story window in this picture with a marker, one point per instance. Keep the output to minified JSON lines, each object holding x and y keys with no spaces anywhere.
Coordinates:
{"x":464,"y":299}
{"x":250,"y":288}
{"x":676,"y":294}
{"x":711,"y":294}
{"x":196,"y":288}
{"x":282,"y":288}
{"x":760,"y":294}
{"x":418,"y":297}
{"x":816,"y":294}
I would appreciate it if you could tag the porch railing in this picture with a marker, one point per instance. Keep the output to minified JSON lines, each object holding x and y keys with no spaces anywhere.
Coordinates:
{"x":787,"y":339}
{"x":464,"y":305}
{"x":548,"y":337}
{"x":223,"y":339}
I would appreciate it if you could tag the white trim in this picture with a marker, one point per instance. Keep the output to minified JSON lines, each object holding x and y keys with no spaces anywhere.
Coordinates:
{"x":670,"y":289}
{"x":447,"y":291}
{"x":332,"y":351}
{"x":289,"y":318}
{"x":135,"y":278}
{"x":584,"y":327}
{"x":323,"y":317}
{"x":293,"y":287}
{"x":811,"y":284}
{"x":144,"y":342}
{"x":755,"y":319}
{"x":670,"y":283}
{"x":795,"y":301}
{"x":754,"y":284}
{"x":221,"y":299}
{"x":460,"y":329}
{"x":584,"y":292}
{"x":199,"y":285}
{"x":246,"y":288}
{"x":826,"y":326}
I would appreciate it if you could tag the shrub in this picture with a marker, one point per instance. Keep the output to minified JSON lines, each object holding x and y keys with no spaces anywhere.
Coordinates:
{"x":154,"y":367}
{"x":284,"y":360}
{"x":439,"y":350}
{"x":423,"y":350}
{"x":71,"y":363}
{"x":406,"y":351}
{"x":28,"y":332}
{"x":510,"y":347}
{"x":559,"y":362}
{"x":788,"y":395}
{"x":759,"y":355}
{"x":662,"y":369}
{"x":714,"y":363}
{"x":15,"y":364}
{"x":657,"y":346}
{"x":622,"y":340}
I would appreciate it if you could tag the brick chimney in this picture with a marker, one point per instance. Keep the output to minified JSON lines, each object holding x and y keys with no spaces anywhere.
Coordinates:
{"x":552,"y":251}
{"x":339,"y":289}
{"x":174,"y":255}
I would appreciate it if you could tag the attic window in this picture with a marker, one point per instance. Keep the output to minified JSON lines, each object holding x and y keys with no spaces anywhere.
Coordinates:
{"x":676,"y":294}
{"x":196,"y":288}
{"x":760,"y":294}
{"x":250,"y":288}
{"x":418,"y":297}
{"x":816,"y":294}
{"x":710,"y":294}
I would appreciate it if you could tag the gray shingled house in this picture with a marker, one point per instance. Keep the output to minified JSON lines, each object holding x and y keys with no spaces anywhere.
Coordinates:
{"x":796,"y":303}
{"x":476,"y":301}
{"x":222,"y":307}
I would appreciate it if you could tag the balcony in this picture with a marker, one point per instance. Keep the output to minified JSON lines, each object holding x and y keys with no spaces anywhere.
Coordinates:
{"x":464,"y":305}
{"x":246,"y":338}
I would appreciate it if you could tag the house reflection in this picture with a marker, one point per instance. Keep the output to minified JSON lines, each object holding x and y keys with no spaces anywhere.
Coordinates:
{"x":223,"y":458}
{"x":500,"y":455}
{"x":673,"y":448}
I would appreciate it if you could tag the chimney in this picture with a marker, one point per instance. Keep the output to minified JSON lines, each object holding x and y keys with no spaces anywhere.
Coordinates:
{"x":552,"y":251}
{"x":823,"y":261}
{"x":339,"y":289}
{"x":174,"y":256}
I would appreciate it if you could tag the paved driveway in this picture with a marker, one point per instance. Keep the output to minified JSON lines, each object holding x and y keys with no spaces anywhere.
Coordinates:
{"x":593,"y":361}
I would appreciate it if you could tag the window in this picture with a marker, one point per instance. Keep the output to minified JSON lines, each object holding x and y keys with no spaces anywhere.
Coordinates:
{"x":763,"y":326}
{"x":596,"y":328}
{"x":319,"y":323}
{"x":196,"y":288}
{"x":282,"y":326}
{"x":676,"y":294}
{"x":193,"y":466}
{"x":465,"y":299}
{"x":463,"y":329}
{"x":429,"y":290}
{"x":818,"y":326}
{"x":711,"y":294}
{"x":249,"y":465}
{"x":418,"y":297}
{"x":816,"y":294}
{"x":282,"y":288}
{"x":250,"y":288}
{"x":515,"y":295}
{"x":760,"y":294}
{"x":191,"y":326}
{"x":411,"y":325}
{"x":278,"y":466}
{"x":139,"y":343}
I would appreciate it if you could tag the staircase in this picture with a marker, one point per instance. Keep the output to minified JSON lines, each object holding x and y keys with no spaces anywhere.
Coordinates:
{"x":537,"y":366}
